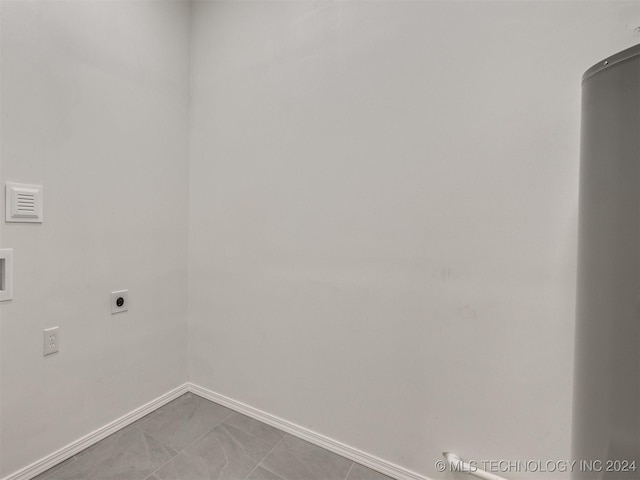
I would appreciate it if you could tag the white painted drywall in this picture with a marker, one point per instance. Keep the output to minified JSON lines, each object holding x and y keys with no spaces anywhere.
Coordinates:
{"x":382,"y":216}
{"x":94,"y":107}
{"x":383,"y":204}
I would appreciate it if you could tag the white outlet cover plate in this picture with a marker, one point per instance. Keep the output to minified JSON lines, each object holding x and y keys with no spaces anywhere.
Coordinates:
{"x":51,"y":341}
{"x":124,"y":294}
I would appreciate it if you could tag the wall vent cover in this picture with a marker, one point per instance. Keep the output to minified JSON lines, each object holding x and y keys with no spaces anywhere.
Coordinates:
{"x":24,"y":203}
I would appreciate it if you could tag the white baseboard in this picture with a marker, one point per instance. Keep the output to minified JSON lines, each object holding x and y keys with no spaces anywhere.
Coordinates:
{"x":358,"y":456}
{"x":70,"y":450}
{"x":375,"y":463}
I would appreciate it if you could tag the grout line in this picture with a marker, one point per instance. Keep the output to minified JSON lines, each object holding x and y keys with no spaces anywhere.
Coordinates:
{"x":350,"y":468}
{"x":136,"y":424}
{"x":207,"y":432}
{"x":267,"y":454}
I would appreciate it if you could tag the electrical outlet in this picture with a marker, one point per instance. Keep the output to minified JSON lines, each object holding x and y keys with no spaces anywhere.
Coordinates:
{"x":51,"y":341}
{"x":119,"y":301}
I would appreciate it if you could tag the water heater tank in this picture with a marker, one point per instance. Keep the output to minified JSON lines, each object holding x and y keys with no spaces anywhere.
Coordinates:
{"x":606,"y":405}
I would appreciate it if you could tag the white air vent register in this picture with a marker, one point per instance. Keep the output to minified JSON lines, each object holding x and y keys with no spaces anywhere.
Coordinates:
{"x":24,"y":203}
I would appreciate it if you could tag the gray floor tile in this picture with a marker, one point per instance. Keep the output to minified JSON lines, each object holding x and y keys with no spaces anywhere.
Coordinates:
{"x":254,"y":427}
{"x":358,"y":472}
{"x":262,"y":474}
{"x":224,"y":453}
{"x":295,"y":459}
{"x":192,"y":438}
{"x":129,"y":454}
{"x":181,"y":422}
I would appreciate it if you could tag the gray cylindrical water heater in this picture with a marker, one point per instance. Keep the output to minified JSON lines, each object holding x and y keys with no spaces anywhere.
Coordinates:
{"x":606,"y":413}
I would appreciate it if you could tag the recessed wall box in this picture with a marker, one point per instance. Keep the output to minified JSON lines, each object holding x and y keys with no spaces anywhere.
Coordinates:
{"x":23,"y":203}
{"x":6,"y":274}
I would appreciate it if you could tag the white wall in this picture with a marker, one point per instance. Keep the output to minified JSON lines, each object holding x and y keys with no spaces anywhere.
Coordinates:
{"x":383,"y":206}
{"x":94,"y":107}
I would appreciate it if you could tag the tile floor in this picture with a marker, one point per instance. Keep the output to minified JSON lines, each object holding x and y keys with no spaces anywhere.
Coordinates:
{"x":192,"y":438}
